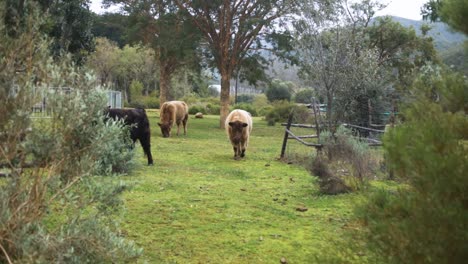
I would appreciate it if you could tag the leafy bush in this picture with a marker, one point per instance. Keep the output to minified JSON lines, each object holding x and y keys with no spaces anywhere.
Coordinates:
{"x":196,"y":108}
{"x":144,"y":102}
{"x":349,"y":153}
{"x":304,"y":96}
{"x":55,"y":211}
{"x":280,"y":113}
{"x":136,"y":90}
{"x":213,"y":109}
{"x":150,"y":102}
{"x":426,"y":222}
{"x":135,"y":104}
{"x":278,"y":91}
{"x":245,"y":98}
{"x":247,"y":107}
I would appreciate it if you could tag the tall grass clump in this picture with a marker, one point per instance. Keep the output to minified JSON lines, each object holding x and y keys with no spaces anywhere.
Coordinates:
{"x":426,"y":222}
{"x":343,"y":164}
{"x":53,"y":208}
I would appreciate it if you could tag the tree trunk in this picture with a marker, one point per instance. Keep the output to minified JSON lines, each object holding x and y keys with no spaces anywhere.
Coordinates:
{"x":329,"y":112}
{"x":164,"y":79}
{"x":224,"y":98}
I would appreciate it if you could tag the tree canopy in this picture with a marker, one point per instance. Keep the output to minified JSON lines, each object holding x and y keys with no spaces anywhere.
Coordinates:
{"x":452,"y":12}
{"x":235,"y":31}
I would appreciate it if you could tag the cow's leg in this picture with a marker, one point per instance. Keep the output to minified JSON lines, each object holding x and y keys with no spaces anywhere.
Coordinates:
{"x":178,"y":127}
{"x":146,"y":145}
{"x":236,"y":156}
{"x":242,"y":153}
{"x":184,"y":122}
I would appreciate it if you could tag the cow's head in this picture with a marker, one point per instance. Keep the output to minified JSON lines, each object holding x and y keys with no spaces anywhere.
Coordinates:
{"x":236,"y":131}
{"x":165,"y":129}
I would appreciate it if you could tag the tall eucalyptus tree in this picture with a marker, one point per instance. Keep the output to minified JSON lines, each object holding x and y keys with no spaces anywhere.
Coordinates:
{"x":236,"y":31}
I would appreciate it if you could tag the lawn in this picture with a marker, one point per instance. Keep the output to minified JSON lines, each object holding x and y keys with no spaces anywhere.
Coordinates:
{"x":199,"y":205}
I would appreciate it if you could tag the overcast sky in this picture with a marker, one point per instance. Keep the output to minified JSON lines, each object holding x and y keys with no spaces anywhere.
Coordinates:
{"x":402,"y":8}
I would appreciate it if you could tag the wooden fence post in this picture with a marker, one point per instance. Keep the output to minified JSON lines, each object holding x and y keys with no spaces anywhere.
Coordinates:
{"x":286,"y":134}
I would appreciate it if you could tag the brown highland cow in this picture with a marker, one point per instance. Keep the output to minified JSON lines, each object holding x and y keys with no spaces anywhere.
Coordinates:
{"x":238,"y":127}
{"x":173,"y":112}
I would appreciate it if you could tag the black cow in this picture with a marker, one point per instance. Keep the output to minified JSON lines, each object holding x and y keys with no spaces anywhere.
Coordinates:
{"x":140,"y":129}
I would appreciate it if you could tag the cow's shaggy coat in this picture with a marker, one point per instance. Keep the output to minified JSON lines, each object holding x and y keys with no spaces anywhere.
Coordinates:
{"x":173,"y":112}
{"x":140,"y":127}
{"x":238,"y":128}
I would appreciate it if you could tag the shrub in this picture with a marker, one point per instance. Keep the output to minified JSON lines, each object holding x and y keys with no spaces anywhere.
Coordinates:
{"x":213,"y":109}
{"x":247,"y":107}
{"x":344,"y":149}
{"x":278,"y":91}
{"x":245,"y":98}
{"x":144,"y":102}
{"x":150,"y":102}
{"x":196,"y":108}
{"x":137,"y":103}
{"x":304,"y":96}
{"x":136,"y":89}
{"x":55,"y":211}
{"x":426,"y":222}
{"x":280,"y":113}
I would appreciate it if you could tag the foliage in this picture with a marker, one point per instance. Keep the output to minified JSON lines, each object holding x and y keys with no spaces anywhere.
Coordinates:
{"x":452,"y":12}
{"x":136,"y":89}
{"x":118,"y":68}
{"x":245,"y":98}
{"x":204,"y":108}
{"x":247,"y":107}
{"x":304,"y":96}
{"x":71,"y":23}
{"x":348,"y":153}
{"x":428,"y":152}
{"x":352,"y":63}
{"x":401,"y":48}
{"x":278,"y":91}
{"x":161,"y":26}
{"x":260,"y":102}
{"x":68,"y":23}
{"x":235,"y":32}
{"x":104,"y":60}
{"x":281,"y":111}
{"x":51,"y":208}
{"x":111,"y":26}
{"x":193,"y":109}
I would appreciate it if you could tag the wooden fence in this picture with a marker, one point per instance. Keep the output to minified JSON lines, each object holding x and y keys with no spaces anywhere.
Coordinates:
{"x":288,"y":134}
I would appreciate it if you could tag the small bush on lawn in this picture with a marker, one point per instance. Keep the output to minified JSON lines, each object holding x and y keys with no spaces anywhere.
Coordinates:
{"x":213,"y":109}
{"x":196,"y":108}
{"x":351,"y":154}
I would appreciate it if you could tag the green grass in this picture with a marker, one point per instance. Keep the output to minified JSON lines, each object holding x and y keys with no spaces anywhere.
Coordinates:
{"x":199,"y":205}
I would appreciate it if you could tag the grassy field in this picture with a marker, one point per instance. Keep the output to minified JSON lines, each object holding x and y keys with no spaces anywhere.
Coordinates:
{"x":199,"y":205}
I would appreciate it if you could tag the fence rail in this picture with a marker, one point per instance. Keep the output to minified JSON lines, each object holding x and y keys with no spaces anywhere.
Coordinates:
{"x":288,"y":134}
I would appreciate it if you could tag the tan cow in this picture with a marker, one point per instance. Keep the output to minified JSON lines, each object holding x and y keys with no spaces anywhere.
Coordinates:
{"x":238,"y":128}
{"x":173,"y":112}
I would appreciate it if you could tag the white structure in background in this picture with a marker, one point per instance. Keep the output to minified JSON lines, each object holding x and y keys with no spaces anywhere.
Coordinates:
{"x":240,"y":89}
{"x":42,"y":109}
{"x":114,"y":99}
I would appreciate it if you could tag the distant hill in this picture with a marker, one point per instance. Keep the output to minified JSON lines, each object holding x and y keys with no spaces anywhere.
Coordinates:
{"x":444,"y":37}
